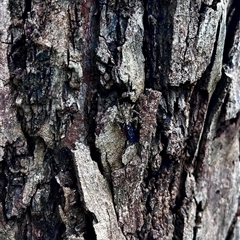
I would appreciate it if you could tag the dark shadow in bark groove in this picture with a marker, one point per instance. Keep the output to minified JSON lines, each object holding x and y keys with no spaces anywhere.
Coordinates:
{"x":198,"y":220}
{"x":90,"y":232}
{"x":28,"y":6}
{"x":54,"y":226}
{"x":84,"y":218}
{"x":233,"y":19}
{"x":176,"y":210}
{"x":179,"y":226}
{"x":3,"y":186}
{"x":91,"y":115}
{"x":178,"y":220}
{"x":158,"y":31}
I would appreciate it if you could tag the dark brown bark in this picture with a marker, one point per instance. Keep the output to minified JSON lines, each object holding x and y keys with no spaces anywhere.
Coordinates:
{"x":119,"y":119}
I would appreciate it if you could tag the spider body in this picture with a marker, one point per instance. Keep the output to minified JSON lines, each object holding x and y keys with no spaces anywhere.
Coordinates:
{"x":127,"y":121}
{"x":130,"y":132}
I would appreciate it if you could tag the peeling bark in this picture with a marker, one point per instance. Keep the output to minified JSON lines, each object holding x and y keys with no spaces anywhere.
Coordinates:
{"x":119,"y":119}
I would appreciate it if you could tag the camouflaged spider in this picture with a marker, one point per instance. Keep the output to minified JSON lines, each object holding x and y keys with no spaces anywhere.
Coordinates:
{"x":127,"y":121}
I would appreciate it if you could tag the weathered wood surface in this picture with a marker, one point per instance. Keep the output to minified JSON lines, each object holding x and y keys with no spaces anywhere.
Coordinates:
{"x":119,"y":119}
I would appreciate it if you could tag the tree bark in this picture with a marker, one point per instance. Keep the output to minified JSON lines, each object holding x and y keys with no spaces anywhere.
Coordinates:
{"x":119,"y":119}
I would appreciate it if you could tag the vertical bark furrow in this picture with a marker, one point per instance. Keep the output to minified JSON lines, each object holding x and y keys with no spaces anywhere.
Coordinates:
{"x":158,"y":26}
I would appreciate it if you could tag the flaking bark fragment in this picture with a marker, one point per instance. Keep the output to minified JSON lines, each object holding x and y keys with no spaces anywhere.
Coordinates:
{"x":91,"y":181}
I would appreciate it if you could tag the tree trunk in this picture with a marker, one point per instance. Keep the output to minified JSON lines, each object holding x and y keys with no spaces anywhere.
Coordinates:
{"x":119,"y":119}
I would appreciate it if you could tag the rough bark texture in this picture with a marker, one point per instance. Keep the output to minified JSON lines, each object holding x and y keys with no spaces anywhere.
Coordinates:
{"x":119,"y":119}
